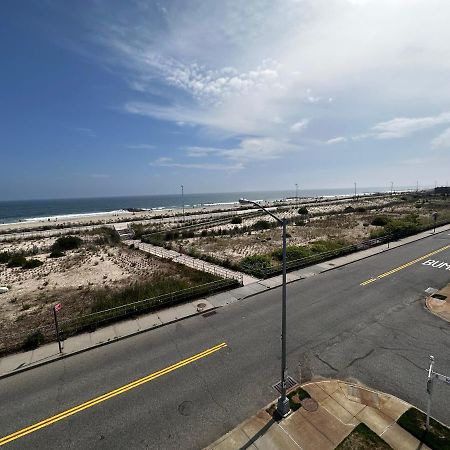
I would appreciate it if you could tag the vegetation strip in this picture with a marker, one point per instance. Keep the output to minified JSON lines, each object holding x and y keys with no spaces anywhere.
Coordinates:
{"x":438,"y":436}
{"x":64,"y":414}
{"x":362,"y":437}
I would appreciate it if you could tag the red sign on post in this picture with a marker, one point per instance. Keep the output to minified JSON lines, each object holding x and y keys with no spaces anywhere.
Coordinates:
{"x":58,"y":307}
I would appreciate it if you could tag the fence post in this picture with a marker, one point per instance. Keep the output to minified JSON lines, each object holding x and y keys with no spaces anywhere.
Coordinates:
{"x":55,"y":309}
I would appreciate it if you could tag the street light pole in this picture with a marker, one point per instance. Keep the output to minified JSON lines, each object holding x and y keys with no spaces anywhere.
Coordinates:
{"x":283,"y":407}
{"x":182,"y":198}
{"x":296,"y":192}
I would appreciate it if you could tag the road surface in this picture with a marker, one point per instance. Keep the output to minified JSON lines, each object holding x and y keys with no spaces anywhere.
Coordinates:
{"x":184,"y":385}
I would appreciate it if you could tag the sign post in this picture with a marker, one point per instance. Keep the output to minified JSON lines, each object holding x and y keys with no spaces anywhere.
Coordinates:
{"x":431,"y":377}
{"x":57,"y":308}
{"x":435,"y":216}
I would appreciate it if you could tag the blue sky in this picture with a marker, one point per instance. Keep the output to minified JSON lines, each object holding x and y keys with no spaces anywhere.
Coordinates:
{"x":127,"y":98}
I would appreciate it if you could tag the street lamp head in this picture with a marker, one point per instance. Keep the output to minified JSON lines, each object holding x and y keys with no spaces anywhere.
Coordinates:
{"x":244,"y":201}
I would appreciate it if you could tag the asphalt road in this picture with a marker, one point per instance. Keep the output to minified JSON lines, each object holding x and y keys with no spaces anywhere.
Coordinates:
{"x":378,"y":333}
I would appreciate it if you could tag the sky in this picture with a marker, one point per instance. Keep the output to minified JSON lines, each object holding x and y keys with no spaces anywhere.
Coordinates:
{"x":113,"y":97}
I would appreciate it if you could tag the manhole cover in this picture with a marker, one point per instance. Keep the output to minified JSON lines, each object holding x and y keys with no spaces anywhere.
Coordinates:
{"x":185,"y":408}
{"x":310,"y":404}
{"x":201,"y":306}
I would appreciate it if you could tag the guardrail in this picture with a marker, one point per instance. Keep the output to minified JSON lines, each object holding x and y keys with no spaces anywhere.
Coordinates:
{"x":89,"y":322}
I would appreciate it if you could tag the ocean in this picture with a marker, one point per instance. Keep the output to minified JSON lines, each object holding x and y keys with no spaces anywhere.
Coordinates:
{"x":30,"y":210}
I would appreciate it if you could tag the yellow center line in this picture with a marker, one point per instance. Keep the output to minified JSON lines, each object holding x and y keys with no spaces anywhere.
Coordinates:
{"x":95,"y":401}
{"x":404,"y":266}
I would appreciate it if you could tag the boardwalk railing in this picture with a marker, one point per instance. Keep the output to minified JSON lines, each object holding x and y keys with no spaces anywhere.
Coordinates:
{"x":189,"y":261}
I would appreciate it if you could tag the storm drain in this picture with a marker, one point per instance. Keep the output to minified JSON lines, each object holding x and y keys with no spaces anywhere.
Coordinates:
{"x":209,"y":313}
{"x":290,"y":383}
{"x":431,"y":290}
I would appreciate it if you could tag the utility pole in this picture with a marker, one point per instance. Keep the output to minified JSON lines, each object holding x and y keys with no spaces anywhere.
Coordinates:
{"x":355,"y":189}
{"x":392,"y":188}
{"x":417,"y":186}
{"x":296,"y":192}
{"x":182,"y":198}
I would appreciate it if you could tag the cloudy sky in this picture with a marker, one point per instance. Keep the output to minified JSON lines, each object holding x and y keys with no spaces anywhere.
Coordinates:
{"x":125,"y":98}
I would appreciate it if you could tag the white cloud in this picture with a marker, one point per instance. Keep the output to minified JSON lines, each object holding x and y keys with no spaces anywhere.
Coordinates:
{"x":404,"y":126}
{"x":202,"y":166}
{"x":99,"y":175}
{"x":442,"y":141}
{"x":86,"y":131}
{"x":141,"y":146}
{"x":336,"y":140}
{"x":249,"y":70}
{"x":299,"y":126}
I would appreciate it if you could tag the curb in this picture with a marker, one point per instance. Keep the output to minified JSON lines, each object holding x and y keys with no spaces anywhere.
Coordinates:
{"x":429,"y":309}
{"x":100,"y":344}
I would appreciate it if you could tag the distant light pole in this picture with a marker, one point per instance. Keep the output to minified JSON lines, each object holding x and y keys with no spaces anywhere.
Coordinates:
{"x":392,"y":188}
{"x":355,"y":188}
{"x":283,"y":402}
{"x":296,"y":192}
{"x":182,"y":198}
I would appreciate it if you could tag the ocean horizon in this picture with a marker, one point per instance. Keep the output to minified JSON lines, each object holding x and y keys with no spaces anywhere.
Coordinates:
{"x":29,"y":210}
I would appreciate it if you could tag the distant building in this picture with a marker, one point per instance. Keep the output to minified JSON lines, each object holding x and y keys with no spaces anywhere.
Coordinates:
{"x":442,"y":190}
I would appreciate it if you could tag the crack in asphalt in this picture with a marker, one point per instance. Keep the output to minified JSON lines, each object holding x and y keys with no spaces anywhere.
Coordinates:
{"x":326,"y":363}
{"x":359,"y":358}
{"x":411,"y":362}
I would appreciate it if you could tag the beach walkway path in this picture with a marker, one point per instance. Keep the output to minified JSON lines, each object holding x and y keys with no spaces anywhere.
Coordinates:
{"x":189,"y":261}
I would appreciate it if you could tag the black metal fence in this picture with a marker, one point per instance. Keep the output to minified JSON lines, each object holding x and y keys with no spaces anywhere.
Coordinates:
{"x":27,"y":339}
{"x":324,"y":256}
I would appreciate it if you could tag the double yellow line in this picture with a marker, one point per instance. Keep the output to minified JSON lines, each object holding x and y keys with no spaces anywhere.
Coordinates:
{"x":404,"y":266}
{"x":102,"y":398}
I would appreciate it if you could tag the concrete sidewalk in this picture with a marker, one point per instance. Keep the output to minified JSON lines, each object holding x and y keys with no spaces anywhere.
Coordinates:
{"x":18,"y":362}
{"x":336,"y":409}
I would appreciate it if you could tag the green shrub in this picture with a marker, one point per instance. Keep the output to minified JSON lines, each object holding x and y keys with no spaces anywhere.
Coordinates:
{"x":262,"y":225}
{"x":33,"y":340}
{"x":4,"y":257}
{"x":325,"y":246}
{"x":256,"y":263}
{"x":107,"y":236}
{"x":186,"y":234}
{"x":204,"y":233}
{"x":293,"y":252}
{"x":360,"y":209}
{"x":17,"y":261}
{"x":56,"y":254}
{"x":402,"y":226}
{"x":300,"y":223}
{"x":66,"y":243}
{"x":379,"y":221}
{"x":303,"y":210}
{"x":236,"y":220}
{"x":31,"y":263}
